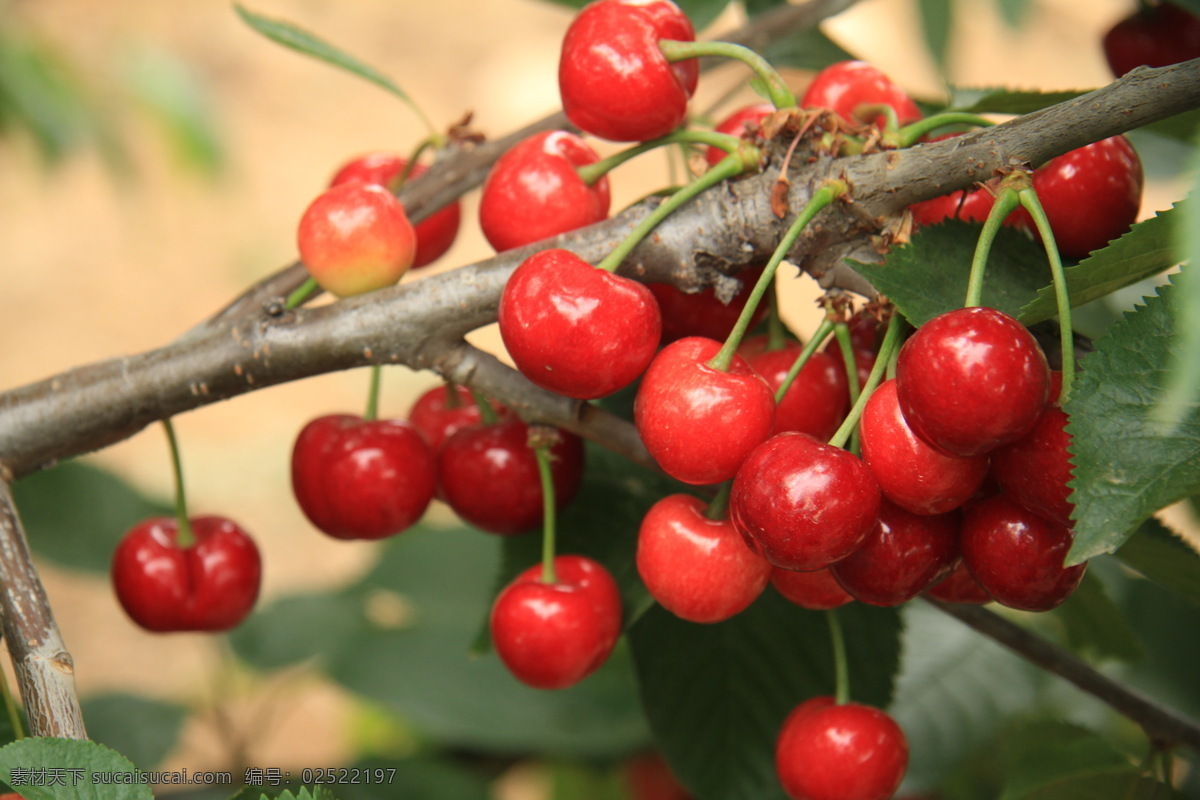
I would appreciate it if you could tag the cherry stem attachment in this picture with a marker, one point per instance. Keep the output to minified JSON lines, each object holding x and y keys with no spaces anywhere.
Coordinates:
{"x":777,"y":91}
{"x":891,"y":343}
{"x":301,"y":294}
{"x":729,"y":166}
{"x":818,"y":339}
{"x":184,"y":537}
{"x":542,"y":453}
{"x":822,"y":197}
{"x":868,"y":111}
{"x":10,"y":708}
{"x":841,"y":669}
{"x":911,"y":134}
{"x":1004,"y":205}
{"x":1031,"y":203}
{"x":718,"y":507}
{"x":487,"y":412}
{"x":372,"y":412}
{"x":411,"y":164}
{"x":452,"y":398}
{"x":590,"y":173}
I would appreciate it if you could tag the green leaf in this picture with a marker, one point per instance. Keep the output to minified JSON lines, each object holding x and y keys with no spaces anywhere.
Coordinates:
{"x":1105,"y":785}
{"x":716,"y":695}
{"x":1095,"y":626}
{"x":1013,"y":12}
{"x":809,"y":49}
{"x":75,"y":514}
{"x":1127,"y":465}
{"x":293,"y":38}
{"x":1165,"y":623}
{"x":1183,"y":127}
{"x":928,"y":276}
{"x":1007,"y":101}
{"x":1183,"y":387}
{"x":1147,"y":249}
{"x":142,"y":729}
{"x":299,"y":627}
{"x":937,"y":20}
{"x":1045,"y":755}
{"x":1159,"y":555}
{"x":74,"y":770}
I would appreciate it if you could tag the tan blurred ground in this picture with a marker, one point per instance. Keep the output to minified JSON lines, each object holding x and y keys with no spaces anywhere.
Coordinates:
{"x":92,"y":268}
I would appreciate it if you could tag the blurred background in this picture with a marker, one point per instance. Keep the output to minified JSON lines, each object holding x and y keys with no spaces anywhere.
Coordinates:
{"x":154,"y":160}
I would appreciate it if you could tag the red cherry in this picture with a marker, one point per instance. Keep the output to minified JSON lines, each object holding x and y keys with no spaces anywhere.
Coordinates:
{"x":739,"y":123}
{"x":817,"y":590}
{"x":533,"y":191}
{"x":912,"y":474}
{"x":959,"y":586}
{"x":827,"y":751}
{"x":968,"y":205}
{"x":900,"y":558}
{"x":488,"y":474}
{"x":697,"y":568}
{"x":437,"y":417}
{"x":1034,"y":470}
{"x":1017,"y":556}
{"x":803,"y":504}
{"x":437,"y":232}
{"x":362,"y":479}
{"x":614,"y":80}
{"x":1090,"y":195}
{"x":356,"y":238}
{"x":846,"y":85}
{"x":575,"y":329}
{"x":701,"y":313}
{"x":210,"y":585}
{"x":698,"y":422}
{"x":553,"y":635}
{"x":817,"y":401}
{"x":1155,"y":35}
{"x":971,"y":380}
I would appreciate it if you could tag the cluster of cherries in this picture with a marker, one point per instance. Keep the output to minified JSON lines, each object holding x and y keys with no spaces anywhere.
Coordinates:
{"x":960,"y":491}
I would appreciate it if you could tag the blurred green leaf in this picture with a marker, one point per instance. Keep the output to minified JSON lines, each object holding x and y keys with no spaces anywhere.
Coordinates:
{"x":1183,"y":383}
{"x":1007,"y":101}
{"x":75,"y":514}
{"x":1161,"y":556}
{"x":1013,"y":12}
{"x":1041,"y":756}
{"x":1166,"y":624}
{"x":1095,"y":626}
{"x":810,"y":49}
{"x":937,"y":20}
{"x":143,"y":730}
{"x":716,"y":695}
{"x":76,"y":758}
{"x":1183,"y":127}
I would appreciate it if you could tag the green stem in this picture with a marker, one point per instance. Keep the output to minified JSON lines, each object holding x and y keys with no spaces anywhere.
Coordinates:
{"x":302,"y":293}
{"x":822,"y":197}
{"x":542,"y":454}
{"x":728,"y":167}
{"x":718,"y":507}
{"x":911,"y":134}
{"x":891,"y":343}
{"x":372,"y":412}
{"x":410,"y":164}
{"x":184,"y":536}
{"x":1003,"y":206}
{"x":776,"y":330}
{"x":487,"y":412}
{"x":868,"y":111}
{"x":818,"y":339}
{"x":590,"y":173}
{"x":777,"y":91}
{"x":841,"y":668}
{"x":842,"y":331}
{"x":1062,"y":297}
{"x":10,"y":707}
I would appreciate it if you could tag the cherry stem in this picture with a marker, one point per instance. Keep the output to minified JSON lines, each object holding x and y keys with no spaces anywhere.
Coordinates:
{"x":487,"y":412}
{"x":891,"y":343}
{"x":822,"y":197}
{"x":777,"y":91}
{"x":842,"y":331}
{"x":301,"y":294}
{"x":818,"y":338}
{"x":841,"y":669}
{"x":452,"y":398}
{"x":1004,"y":205}
{"x":911,"y":134}
{"x":184,"y":537}
{"x":1031,"y":203}
{"x":729,"y":166}
{"x":776,"y":330}
{"x":718,"y":507}
{"x":868,"y":111}
{"x":542,"y":454}
{"x":372,"y":412}
{"x":10,"y":707}
{"x":590,"y":173}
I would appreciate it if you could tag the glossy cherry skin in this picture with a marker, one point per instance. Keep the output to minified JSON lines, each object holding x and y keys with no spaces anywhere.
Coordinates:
{"x":614,"y":80}
{"x":959,"y":586}
{"x":437,"y":416}
{"x":740,"y":123}
{"x":210,"y":585}
{"x":817,"y":401}
{"x":827,"y":751}
{"x":575,"y":329}
{"x":912,"y":474}
{"x":901,"y":557}
{"x":533,"y":191}
{"x":360,"y":479}
{"x":1017,"y":556}
{"x":701,"y":313}
{"x":971,"y":380}
{"x":356,"y":238}
{"x":1155,"y":36}
{"x":1035,"y":469}
{"x":700,"y":423}
{"x":817,"y":590}
{"x":803,"y":504}
{"x":488,"y":474}
{"x":846,"y":85}
{"x":697,"y":568}
{"x":553,"y":635}
{"x":437,"y":232}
